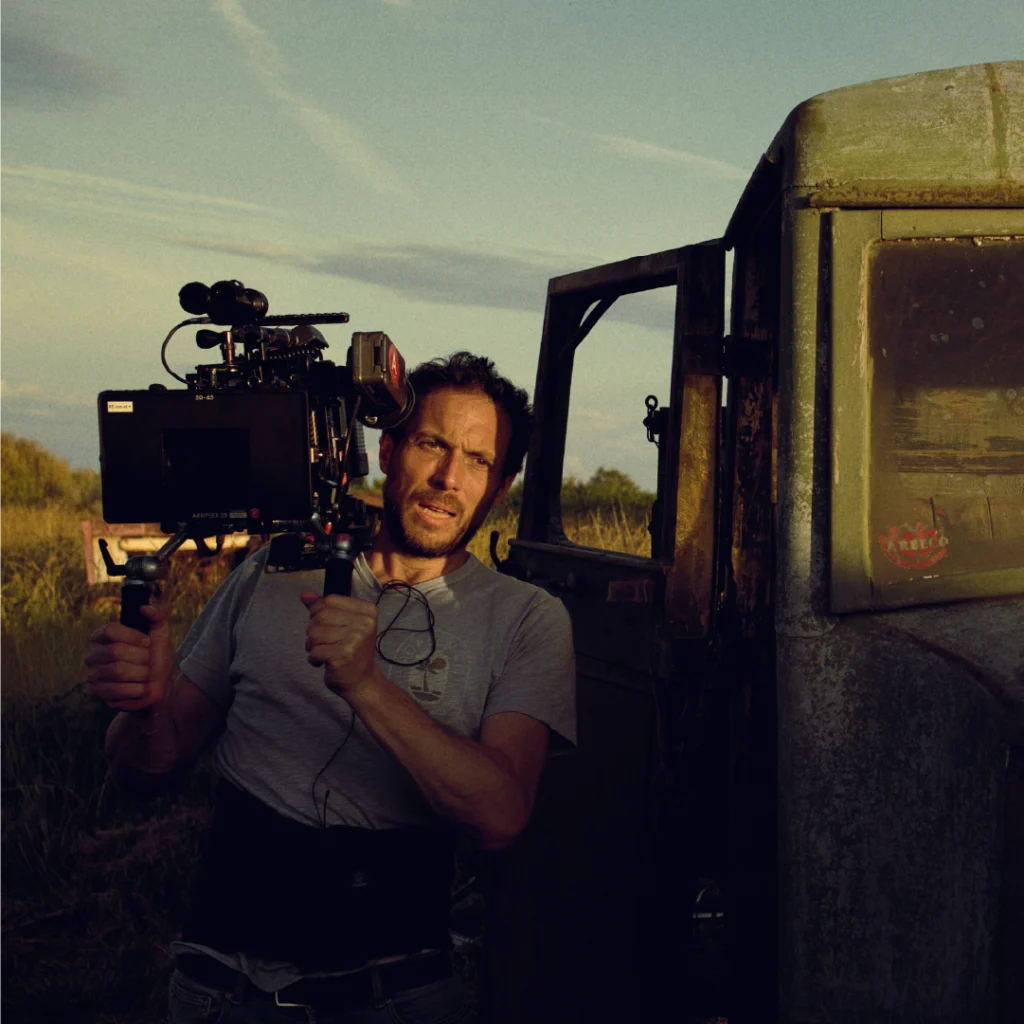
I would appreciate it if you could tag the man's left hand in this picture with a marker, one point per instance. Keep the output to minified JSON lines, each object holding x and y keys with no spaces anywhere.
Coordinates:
{"x":341,"y":636}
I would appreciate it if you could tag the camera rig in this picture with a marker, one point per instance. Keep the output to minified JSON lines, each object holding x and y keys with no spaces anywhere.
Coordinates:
{"x":265,"y":441}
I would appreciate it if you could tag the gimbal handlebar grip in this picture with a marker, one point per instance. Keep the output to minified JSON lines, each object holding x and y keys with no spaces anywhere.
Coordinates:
{"x":338,"y":575}
{"x":134,"y":594}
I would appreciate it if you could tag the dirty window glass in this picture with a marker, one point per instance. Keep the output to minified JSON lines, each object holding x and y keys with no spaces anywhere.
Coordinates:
{"x":946,"y":344}
{"x":610,"y":472}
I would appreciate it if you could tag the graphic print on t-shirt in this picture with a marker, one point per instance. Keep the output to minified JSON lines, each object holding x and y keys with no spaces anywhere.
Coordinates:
{"x":432,"y":685}
{"x":430,"y":678}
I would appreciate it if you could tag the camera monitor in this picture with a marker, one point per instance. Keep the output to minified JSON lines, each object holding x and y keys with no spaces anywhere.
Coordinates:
{"x":220,"y":460}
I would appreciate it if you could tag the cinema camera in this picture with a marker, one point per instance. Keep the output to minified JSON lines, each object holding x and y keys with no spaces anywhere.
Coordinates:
{"x":265,"y":441}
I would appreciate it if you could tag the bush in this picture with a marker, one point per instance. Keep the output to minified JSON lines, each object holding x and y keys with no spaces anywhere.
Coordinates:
{"x":608,"y":493}
{"x":31,"y":476}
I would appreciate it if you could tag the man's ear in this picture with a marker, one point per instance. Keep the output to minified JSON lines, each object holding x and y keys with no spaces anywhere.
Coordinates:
{"x":387,"y":448}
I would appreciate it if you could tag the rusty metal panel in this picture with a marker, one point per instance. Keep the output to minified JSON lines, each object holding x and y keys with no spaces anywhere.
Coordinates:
{"x":942,"y":139}
{"x":850,"y":562}
{"x":597,"y":881}
{"x":928,"y":413}
{"x":689,"y":521}
{"x":939,"y":223}
{"x":572,"y":901}
{"x":949,"y":138}
{"x":891,"y":769}
{"x":540,"y":517}
{"x":744,"y":626}
{"x":623,"y":277}
{"x":690,"y":591}
{"x":892,"y":726}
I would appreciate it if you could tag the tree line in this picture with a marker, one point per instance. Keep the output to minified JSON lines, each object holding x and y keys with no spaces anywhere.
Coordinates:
{"x":607,"y":491}
{"x":30,"y":475}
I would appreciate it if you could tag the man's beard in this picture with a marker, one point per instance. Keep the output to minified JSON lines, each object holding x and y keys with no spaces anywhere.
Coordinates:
{"x":427,"y":548}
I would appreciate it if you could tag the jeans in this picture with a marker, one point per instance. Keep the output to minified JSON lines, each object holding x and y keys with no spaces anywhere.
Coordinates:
{"x":440,"y":1002}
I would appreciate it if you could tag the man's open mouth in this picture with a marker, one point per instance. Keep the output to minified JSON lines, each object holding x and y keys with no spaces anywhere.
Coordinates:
{"x":439,"y":511}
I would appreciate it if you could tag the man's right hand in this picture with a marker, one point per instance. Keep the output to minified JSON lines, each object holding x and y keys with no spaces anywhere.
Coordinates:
{"x":128,"y":670}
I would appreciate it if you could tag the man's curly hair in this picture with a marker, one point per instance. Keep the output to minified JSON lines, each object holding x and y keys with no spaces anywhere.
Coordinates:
{"x":466,"y":371}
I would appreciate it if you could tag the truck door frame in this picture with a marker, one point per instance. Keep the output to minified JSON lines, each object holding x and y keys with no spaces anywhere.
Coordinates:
{"x":613,"y":818}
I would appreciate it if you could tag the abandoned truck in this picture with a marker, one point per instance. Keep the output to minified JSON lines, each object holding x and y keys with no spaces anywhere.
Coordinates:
{"x":810,"y":691}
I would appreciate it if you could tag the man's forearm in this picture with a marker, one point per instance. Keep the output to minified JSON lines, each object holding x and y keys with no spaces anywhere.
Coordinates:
{"x":463,"y":781}
{"x":142,"y":750}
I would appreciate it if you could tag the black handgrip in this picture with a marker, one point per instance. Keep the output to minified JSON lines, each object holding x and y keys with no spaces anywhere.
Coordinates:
{"x":338,"y":574}
{"x":134,"y":594}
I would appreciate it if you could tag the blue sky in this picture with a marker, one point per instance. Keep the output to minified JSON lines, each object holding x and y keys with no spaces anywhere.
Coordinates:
{"x":425,"y":165}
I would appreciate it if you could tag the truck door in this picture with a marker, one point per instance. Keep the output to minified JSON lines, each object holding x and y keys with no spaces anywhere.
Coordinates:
{"x":589,"y":913}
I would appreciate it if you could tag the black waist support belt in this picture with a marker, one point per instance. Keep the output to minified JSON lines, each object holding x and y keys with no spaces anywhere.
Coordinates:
{"x":319,"y":898}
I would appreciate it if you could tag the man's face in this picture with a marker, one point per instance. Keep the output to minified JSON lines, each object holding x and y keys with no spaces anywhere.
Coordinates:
{"x":445,"y":474}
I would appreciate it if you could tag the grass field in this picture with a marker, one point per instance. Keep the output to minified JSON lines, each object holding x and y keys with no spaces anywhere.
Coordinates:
{"x":94,"y":884}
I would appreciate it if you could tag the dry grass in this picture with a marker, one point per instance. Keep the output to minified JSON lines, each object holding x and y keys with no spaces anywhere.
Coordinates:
{"x":94,"y":884}
{"x":612,"y":531}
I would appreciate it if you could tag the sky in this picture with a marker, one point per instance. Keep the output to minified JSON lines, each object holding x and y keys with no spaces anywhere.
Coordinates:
{"x":424,"y":165}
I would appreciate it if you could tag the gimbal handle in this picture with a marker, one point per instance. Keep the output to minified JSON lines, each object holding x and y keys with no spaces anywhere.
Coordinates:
{"x":340,"y":564}
{"x":349,"y":531}
{"x":140,"y":572}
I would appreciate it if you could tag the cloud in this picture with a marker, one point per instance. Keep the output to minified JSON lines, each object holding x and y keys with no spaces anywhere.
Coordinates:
{"x":602,"y":416}
{"x":19,"y":390}
{"x":37,"y":72}
{"x":515,"y":279}
{"x":33,"y":392}
{"x":341,"y":140}
{"x":119,"y":198}
{"x":638,"y":149}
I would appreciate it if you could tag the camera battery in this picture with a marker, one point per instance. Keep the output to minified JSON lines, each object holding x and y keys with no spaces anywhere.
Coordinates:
{"x":378,"y":373}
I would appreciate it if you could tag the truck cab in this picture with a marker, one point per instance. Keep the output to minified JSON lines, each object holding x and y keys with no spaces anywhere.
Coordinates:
{"x":808,"y":692}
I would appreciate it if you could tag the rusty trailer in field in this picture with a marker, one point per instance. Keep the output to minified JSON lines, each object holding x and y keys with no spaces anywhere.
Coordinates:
{"x":811,"y":690}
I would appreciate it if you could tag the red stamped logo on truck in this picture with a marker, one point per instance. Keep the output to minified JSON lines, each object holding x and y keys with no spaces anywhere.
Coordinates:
{"x":915,"y":547}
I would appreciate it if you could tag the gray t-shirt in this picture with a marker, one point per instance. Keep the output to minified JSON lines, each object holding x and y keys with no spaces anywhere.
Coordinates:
{"x":499,"y":644}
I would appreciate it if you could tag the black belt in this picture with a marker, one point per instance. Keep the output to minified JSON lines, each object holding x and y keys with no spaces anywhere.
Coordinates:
{"x":365,"y":987}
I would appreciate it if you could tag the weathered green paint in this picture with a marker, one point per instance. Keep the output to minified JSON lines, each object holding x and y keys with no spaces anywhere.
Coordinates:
{"x":1000,"y":120}
{"x":958,"y":134}
{"x":850,"y":561}
{"x":952,"y":223}
{"x":894,"y":727}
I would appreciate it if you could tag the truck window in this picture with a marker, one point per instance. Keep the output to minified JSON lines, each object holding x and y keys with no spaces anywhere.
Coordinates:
{"x":610,"y":471}
{"x":946,"y":347}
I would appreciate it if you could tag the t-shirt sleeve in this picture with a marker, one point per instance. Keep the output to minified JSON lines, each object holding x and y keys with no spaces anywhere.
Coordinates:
{"x":539,"y":676}
{"x":206,"y":653}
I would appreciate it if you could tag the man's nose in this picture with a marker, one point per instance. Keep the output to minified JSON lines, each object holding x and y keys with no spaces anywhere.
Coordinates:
{"x":446,"y":472}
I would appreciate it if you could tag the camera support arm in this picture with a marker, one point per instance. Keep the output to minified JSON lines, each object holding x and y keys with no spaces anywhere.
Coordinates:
{"x":140,"y":573}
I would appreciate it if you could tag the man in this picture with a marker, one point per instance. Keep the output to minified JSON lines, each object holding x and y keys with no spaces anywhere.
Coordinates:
{"x":326,"y":877}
